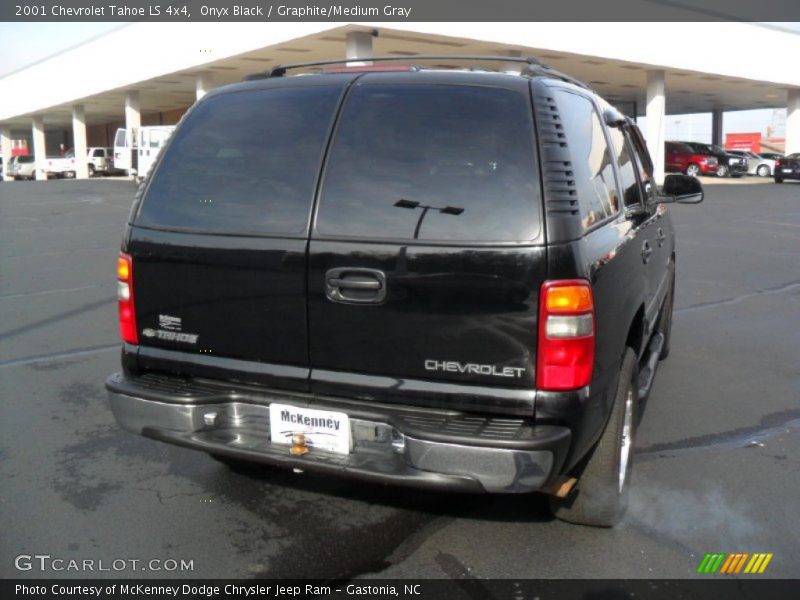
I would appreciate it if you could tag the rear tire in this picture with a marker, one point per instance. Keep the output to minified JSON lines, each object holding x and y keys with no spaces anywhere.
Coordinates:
{"x":92,"y":171}
{"x":600,"y":497}
{"x":693,"y":170}
{"x":723,"y":171}
{"x":763,"y":171}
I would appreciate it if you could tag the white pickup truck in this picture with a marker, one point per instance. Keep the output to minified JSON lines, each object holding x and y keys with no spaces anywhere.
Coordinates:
{"x":100,"y":161}
{"x":60,"y":166}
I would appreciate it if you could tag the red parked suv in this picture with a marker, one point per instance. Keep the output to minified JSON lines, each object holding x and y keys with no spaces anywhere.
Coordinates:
{"x":682,"y":158}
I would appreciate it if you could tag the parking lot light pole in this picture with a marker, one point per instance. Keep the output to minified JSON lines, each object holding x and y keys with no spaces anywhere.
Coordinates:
{"x":79,"y":139}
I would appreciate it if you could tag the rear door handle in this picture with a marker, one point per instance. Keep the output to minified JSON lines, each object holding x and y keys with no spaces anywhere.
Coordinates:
{"x":355,"y":285}
{"x":661,"y":237}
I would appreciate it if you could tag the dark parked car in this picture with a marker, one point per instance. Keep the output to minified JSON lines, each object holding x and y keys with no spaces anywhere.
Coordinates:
{"x":454,"y":280}
{"x":787,"y":167}
{"x":682,"y":158}
{"x":730,"y":165}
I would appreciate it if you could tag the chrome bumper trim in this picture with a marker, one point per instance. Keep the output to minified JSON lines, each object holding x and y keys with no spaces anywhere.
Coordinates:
{"x":380,"y":452}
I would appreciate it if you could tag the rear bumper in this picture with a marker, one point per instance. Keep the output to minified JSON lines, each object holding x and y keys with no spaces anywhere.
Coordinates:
{"x":415,"y":447}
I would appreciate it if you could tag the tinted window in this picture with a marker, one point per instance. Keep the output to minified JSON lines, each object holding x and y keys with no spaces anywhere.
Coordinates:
{"x":591,"y":158}
{"x":631,"y":193}
{"x":99,"y":153}
{"x":244,"y":162}
{"x":432,"y":162}
{"x":644,"y":165}
{"x":683,"y":148}
{"x":25,"y":159}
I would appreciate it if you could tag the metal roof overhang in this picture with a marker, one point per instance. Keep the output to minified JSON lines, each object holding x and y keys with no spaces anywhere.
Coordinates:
{"x":619,"y":81}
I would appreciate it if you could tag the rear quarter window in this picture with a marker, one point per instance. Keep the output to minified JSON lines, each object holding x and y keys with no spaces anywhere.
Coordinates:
{"x":243,"y":163}
{"x":432,"y":162}
{"x":592,"y":158}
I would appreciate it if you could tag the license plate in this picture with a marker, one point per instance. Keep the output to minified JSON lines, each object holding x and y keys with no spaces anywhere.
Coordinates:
{"x":323,"y":429}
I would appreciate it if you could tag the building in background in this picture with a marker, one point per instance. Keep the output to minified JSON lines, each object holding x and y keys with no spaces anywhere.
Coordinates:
{"x":58,"y":102}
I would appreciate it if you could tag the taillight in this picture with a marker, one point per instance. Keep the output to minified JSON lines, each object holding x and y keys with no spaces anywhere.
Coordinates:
{"x":565,"y":357}
{"x":777,"y":162}
{"x":127,"y":314}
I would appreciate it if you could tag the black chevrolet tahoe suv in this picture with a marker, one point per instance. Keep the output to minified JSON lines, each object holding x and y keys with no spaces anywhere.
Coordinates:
{"x":450,"y":279}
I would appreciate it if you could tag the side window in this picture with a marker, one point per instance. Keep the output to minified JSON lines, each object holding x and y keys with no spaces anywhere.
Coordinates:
{"x":631,"y":191}
{"x":642,"y":162}
{"x":158,"y":137}
{"x":591,"y":158}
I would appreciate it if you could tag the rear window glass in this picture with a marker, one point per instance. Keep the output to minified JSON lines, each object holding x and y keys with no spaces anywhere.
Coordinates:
{"x":432,"y":162}
{"x":244,"y":163}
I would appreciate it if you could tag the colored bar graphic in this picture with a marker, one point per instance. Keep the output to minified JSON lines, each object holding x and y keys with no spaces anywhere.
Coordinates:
{"x":765,"y":563}
{"x":715,"y":565}
{"x":730,"y":564}
{"x":704,"y":564}
{"x":754,"y":563}
{"x":730,"y":561}
{"x":740,"y":564}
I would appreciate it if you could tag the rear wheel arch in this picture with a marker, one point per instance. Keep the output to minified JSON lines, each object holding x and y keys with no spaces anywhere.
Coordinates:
{"x":635,"y":337}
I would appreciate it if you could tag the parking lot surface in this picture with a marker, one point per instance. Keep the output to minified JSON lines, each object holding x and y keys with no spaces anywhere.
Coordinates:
{"x":717,"y":460}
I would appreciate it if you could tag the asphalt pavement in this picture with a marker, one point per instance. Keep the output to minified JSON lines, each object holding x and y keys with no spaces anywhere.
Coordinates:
{"x":717,"y":454}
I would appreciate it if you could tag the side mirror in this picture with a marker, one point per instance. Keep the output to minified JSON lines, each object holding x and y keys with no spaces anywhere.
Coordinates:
{"x":614,"y":118}
{"x":682,"y":189}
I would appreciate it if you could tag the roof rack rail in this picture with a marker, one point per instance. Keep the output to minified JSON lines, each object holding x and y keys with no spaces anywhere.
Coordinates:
{"x":533,"y":67}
